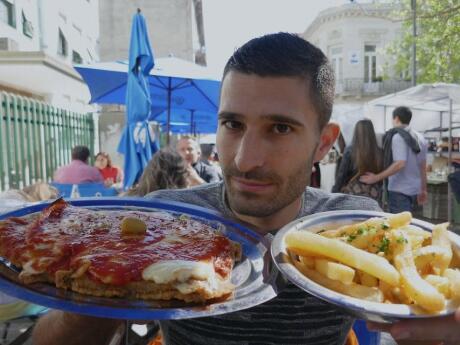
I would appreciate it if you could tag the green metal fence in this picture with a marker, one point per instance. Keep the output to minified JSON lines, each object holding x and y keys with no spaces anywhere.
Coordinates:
{"x":36,"y":138}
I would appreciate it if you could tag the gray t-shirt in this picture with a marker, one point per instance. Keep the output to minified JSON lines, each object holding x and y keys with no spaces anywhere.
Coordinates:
{"x":407,"y":180}
{"x":293,"y":317}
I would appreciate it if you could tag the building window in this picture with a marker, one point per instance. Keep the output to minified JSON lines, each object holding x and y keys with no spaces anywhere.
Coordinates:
{"x":370,"y":63}
{"x":27,"y":27}
{"x":76,"y":58}
{"x":336,"y":58}
{"x":62,"y":44}
{"x":7,"y":13}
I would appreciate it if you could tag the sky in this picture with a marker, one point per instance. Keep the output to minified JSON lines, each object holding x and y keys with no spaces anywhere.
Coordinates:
{"x":230,"y":23}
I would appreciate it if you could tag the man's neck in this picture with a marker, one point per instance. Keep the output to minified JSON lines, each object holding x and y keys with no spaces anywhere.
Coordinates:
{"x":275,"y":221}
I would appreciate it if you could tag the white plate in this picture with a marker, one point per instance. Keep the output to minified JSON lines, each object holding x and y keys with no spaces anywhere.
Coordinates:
{"x":372,"y":311}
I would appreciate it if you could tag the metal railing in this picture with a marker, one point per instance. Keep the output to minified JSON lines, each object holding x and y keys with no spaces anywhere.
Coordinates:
{"x":36,"y":138}
{"x":357,"y":86}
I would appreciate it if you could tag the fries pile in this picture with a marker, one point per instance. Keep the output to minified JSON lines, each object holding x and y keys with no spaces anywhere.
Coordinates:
{"x":385,"y":260}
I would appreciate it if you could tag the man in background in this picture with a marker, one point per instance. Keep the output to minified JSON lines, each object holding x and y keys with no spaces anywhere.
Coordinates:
{"x":78,"y":170}
{"x":405,"y":158}
{"x":199,"y":172}
{"x":209,"y":157}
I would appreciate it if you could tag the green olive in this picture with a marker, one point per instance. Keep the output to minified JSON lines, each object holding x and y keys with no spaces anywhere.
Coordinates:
{"x":133,"y":226}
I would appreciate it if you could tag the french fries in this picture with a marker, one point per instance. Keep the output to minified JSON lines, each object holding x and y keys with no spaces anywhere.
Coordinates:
{"x":382,"y":260}
{"x":354,"y":290}
{"x":415,"y":287}
{"x":310,"y":243}
{"x":335,"y":271}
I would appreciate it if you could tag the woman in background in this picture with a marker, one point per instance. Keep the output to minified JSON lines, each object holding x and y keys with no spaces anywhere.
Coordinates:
{"x":112,"y":175}
{"x":362,"y":156}
{"x":166,"y":170}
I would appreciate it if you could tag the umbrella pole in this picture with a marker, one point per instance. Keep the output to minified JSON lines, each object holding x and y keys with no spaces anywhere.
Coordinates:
{"x":168,"y":122}
{"x":191,"y":121}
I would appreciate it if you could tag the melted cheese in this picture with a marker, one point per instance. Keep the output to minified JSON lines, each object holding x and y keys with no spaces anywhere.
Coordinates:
{"x":164,"y":272}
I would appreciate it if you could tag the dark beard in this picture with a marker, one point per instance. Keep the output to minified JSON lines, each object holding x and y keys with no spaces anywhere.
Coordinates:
{"x":249,"y":204}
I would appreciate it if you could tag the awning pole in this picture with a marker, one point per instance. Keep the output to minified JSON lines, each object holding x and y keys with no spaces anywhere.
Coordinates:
{"x":449,"y":164}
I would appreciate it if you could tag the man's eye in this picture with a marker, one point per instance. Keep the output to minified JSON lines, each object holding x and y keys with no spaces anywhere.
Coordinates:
{"x":281,"y":128}
{"x":232,"y":124}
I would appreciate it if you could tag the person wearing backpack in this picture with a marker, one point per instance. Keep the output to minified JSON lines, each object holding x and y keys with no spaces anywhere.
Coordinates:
{"x":404,"y":157}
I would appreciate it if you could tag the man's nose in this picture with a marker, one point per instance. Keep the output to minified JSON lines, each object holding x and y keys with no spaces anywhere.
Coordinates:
{"x":250,"y":154}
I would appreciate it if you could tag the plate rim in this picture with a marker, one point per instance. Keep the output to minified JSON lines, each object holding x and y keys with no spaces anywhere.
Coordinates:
{"x":355,"y":305}
{"x":40,"y":297}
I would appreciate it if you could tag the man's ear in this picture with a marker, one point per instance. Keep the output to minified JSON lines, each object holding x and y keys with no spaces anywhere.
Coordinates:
{"x":329,"y":135}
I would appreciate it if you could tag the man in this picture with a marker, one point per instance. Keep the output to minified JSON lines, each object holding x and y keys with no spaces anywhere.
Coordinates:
{"x":78,"y":170}
{"x":276,"y":101}
{"x":405,"y":158}
{"x":209,"y":157}
{"x":199,"y":172}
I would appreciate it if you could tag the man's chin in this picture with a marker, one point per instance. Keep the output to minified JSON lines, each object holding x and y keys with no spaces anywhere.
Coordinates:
{"x":249,"y":204}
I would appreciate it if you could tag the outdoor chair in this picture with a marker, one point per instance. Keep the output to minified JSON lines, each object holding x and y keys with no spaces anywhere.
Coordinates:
{"x":84,"y":190}
{"x":362,"y":336}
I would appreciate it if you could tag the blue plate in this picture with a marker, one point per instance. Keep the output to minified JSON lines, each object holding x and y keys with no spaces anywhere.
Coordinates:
{"x":254,"y":276}
{"x":371,"y":311}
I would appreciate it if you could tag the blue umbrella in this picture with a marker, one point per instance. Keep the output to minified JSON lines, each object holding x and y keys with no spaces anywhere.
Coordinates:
{"x":173,"y":83}
{"x":136,"y":141}
{"x":185,"y":121}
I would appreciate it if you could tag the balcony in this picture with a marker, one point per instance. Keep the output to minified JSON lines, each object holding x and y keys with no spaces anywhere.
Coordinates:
{"x":358,"y":88}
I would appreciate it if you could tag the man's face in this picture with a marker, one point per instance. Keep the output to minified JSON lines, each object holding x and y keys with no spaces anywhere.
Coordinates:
{"x":187,"y":148}
{"x":267,"y":140}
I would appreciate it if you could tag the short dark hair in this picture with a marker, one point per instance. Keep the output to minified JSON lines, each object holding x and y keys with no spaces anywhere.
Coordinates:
{"x":404,"y":114}
{"x":81,"y":153}
{"x":206,"y":150}
{"x":288,"y":55}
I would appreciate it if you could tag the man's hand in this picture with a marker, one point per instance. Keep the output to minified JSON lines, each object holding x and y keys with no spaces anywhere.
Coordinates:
{"x":369,"y":178}
{"x":62,"y":328}
{"x":430,"y":331}
{"x":193,"y":178}
{"x":422,"y":197}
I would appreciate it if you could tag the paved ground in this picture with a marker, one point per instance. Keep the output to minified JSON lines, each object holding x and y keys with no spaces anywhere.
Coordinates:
{"x":15,"y":328}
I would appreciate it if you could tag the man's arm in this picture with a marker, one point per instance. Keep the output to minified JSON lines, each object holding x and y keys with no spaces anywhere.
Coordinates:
{"x":193,"y":179}
{"x":399,"y":151}
{"x":61,"y":328}
{"x":439,"y":330}
{"x":370,"y":178}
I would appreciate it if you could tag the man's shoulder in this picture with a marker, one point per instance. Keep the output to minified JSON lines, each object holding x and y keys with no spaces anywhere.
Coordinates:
{"x":207,"y":195}
{"x":316,"y":200}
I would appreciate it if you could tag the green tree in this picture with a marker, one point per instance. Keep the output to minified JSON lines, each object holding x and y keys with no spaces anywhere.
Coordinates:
{"x":437,"y":41}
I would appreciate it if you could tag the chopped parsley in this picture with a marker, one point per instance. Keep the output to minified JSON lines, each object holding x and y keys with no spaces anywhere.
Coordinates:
{"x":384,"y":245}
{"x":385,"y":226}
{"x":361,"y":230}
{"x":351,"y":238}
{"x":401,"y":239}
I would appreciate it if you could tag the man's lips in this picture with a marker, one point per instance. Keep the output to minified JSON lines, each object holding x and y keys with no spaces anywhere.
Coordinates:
{"x":246,"y":185}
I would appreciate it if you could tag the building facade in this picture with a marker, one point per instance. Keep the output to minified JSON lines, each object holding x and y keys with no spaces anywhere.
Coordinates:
{"x":171,"y":27}
{"x":355,"y":37}
{"x":39,"y":42}
{"x":175,"y":27}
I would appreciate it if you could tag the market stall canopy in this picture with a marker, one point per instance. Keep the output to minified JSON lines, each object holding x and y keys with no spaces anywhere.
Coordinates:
{"x":430,"y":97}
{"x":430,"y":104}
